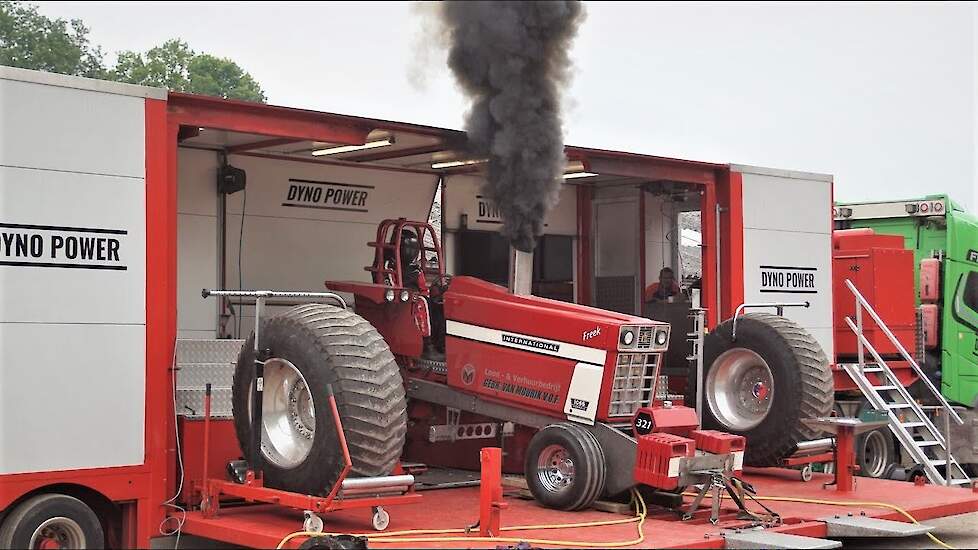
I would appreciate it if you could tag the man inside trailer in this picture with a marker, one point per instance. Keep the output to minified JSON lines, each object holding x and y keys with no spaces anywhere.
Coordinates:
{"x":665,"y":290}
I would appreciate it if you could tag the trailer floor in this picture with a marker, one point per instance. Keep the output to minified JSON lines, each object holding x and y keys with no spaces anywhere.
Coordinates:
{"x":266,"y":525}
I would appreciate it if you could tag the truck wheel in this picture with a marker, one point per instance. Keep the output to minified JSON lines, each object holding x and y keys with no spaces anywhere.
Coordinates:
{"x":876,"y":453}
{"x":314,"y":346}
{"x":51,"y":521}
{"x":565,"y":467}
{"x":763,"y":384}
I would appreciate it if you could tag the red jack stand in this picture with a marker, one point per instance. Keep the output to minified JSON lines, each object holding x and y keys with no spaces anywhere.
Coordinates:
{"x":491,"y":502}
{"x":846,"y":430}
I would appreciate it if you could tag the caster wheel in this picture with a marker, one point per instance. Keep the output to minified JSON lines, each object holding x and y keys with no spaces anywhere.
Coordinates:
{"x":312,"y":523}
{"x":806,"y":473}
{"x":381,"y":519}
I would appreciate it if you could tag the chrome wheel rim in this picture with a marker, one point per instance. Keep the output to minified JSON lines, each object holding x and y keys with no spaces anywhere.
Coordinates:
{"x":59,"y":532}
{"x":740,"y":389}
{"x":874,"y":453}
{"x":288,"y":415}
{"x":555,"y":468}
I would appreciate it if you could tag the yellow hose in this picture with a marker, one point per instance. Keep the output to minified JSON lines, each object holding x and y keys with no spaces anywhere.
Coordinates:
{"x":399,"y":536}
{"x":641,"y":510}
{"x":848,"y":503}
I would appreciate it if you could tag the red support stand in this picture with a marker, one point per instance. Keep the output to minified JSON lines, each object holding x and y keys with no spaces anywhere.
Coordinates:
{"x":845,"y":459}
{"x":491,"y":502}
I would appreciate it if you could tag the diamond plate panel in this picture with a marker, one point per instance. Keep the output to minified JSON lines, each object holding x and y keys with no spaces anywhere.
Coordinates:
{"x":208,"y":351}
{"x":200,"y":362}
{"x":190,"y":403}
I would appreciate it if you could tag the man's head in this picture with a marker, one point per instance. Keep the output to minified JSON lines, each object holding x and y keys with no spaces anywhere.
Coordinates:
{"x":410,"y":246}
{"x":667,"y":277}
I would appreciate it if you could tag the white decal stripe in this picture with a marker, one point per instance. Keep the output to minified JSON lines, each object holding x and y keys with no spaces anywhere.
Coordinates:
{"x":555,"y":348}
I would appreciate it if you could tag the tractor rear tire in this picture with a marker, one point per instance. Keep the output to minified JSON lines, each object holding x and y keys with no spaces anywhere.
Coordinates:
{"x":314,"y":347}
{"x":565,"y":467}
{"x":764,"y":384}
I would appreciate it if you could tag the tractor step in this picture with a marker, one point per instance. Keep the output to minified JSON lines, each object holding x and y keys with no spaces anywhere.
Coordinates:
{"x":863,"y":526}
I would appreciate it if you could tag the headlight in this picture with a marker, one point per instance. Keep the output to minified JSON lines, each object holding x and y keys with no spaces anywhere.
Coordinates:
{"x":389,"y":295}
{"x":661,"y":338}
{"x":627,"y":337}
{"x":405,"y":295}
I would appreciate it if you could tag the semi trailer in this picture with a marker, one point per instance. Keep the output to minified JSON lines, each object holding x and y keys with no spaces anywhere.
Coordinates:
{"x":931,"y":286}
{"x":143,"y":387}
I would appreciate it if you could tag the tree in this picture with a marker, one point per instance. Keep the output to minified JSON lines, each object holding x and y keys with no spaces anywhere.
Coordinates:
{"x":177,"y":67}
{"x":32,"y":41}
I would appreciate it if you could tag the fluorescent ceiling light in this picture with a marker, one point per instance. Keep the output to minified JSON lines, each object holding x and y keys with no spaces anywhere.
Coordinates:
{"x":456,"y":163}
{"x":575,"y":175}
{"x":348,"y":148}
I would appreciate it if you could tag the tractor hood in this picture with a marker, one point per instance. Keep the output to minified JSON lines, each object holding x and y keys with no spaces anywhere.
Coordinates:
{"x":477,"y":303}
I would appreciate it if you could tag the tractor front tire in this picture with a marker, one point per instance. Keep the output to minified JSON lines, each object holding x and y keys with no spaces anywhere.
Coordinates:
{"x":314,"y":347}
{"x":565,"y":467}
{"x":764,"y":384}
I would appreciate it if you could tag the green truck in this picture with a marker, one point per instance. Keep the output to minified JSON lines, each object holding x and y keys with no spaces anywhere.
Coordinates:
{"x":937,"y":228}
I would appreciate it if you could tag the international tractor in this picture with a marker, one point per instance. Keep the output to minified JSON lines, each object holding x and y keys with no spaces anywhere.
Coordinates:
{"x":428,"y":367}
{"x":928,"y":279}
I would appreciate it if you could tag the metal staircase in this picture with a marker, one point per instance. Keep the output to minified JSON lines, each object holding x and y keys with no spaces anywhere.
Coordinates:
{"x":909,"y":421}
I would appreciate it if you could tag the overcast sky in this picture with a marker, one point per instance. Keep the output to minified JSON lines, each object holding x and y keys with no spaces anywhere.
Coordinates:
{"x":883,"y":96}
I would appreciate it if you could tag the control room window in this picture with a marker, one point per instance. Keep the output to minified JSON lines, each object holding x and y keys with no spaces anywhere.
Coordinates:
{"x":485,"y":255}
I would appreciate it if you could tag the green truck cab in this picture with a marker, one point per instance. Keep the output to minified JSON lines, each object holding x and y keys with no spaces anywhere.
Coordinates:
{"x":936,"y":227}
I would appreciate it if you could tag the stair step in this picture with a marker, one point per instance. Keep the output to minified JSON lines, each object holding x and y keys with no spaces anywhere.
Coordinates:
{"x":926,"y":443}
{"x":872,"y":369}
{"x":899,"y":406}
{"x":937,"y":462}
{"x":912,"y":424}
{"x":885,"y":388}
{"x":960,"y":481}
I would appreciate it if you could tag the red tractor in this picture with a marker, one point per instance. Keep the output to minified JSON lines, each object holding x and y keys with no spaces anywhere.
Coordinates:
{"x":433,"y":367}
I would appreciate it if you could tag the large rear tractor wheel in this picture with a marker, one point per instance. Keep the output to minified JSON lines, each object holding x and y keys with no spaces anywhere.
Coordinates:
{"x":764,"y":384}
{"x":312,"y":347}
{"x":565,"y":467}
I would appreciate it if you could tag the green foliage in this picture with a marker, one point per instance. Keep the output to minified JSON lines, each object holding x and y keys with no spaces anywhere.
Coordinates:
{"x":175,"y":66}
{"x":32,"y":41}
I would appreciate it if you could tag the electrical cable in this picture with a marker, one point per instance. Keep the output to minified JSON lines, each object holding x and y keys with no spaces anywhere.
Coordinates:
{"x":171,"y":502}
{"x":641,"y":512}
{"x":893,"y":507}
{"x":244,"y":206}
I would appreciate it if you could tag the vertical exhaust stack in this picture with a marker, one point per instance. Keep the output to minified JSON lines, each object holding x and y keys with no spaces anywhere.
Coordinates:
{"x":520,"y":272}
{"x":511,"y":60}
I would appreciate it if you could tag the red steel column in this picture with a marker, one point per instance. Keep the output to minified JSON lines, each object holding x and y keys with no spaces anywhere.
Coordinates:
{"x":491,"y":491}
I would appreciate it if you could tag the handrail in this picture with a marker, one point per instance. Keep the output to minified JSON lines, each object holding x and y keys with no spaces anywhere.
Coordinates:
{"x":896,"y":343}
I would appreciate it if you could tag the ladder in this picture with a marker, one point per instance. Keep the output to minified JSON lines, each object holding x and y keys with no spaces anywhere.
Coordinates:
{"x":908,"y":421}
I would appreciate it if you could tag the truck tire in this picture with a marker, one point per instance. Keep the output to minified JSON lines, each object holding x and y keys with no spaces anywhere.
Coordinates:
{"x":313,"y":347}
{"x":763,"y":384}
{"x":565,"y":467}
{"x":52,"y":521}
{"x":877,"y":453}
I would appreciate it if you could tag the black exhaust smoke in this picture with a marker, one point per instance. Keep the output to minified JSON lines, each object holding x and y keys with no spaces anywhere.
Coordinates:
{"x":511,"y":59}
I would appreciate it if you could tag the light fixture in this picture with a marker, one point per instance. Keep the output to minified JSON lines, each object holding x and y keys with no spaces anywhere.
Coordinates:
{"x":457,"y":163}
{"x":575,"y":175}
{"x":348,"y":148}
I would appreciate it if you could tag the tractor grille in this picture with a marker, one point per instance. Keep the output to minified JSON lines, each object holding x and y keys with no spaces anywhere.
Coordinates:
{"x":634,"y":378}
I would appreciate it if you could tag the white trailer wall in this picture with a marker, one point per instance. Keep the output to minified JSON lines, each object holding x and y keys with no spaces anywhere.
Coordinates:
{"x":295,"y":235}
{"x":72,"y":170}
{"x":788,"y":245}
